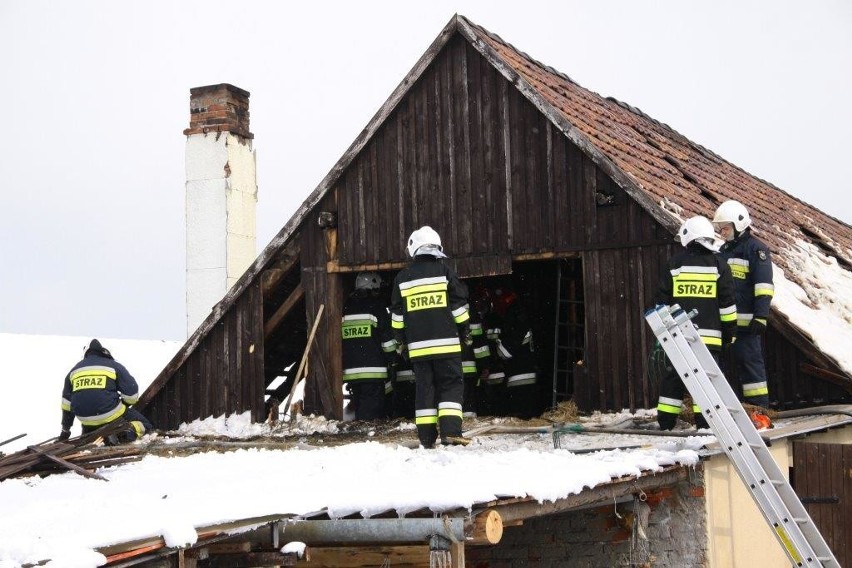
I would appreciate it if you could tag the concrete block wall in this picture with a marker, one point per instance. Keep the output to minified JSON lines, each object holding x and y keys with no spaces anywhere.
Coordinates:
{"x":596,"y":537}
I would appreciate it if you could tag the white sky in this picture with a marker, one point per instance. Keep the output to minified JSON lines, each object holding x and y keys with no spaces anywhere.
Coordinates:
{"x":95,"y":98}
{"x":171,"y":496}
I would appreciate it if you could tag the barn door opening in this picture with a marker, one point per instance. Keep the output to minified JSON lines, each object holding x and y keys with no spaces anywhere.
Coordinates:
{"x":569,"y":334}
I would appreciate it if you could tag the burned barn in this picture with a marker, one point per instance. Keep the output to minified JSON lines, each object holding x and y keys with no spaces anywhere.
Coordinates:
{"x":532,"y":181}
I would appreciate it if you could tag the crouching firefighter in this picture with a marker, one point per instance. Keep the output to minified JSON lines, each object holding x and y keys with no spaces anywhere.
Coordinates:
{"x":429,"y":315}
{"x":697,"y":279}
{"x":367,"y":347}
{"x":99,"y":390}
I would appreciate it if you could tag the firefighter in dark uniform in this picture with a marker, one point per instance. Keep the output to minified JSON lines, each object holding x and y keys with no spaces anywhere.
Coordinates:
{"x":515,"y":347}
{"x":696,"y":278}
{"x":99,"y":390}
{"x":751,"y":267}
{"x":429,"y":315}
{"x":492,"y":400}
{"x":367,"y":347}
{"x":475,"y":357}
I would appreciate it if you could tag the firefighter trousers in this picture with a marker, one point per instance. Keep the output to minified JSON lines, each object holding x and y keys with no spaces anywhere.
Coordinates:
{"x":438,"y":399}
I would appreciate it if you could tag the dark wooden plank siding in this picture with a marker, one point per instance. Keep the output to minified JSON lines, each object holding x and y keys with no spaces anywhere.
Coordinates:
{"x":210,"y":383}
{"x":821,"y":480}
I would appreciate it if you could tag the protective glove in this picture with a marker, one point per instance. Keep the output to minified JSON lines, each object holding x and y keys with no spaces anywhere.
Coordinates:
{"x":64,"y":435}
{"x":757,"y":327}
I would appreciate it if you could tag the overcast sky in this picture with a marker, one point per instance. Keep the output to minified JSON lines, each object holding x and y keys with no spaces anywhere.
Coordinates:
{"x":95,"y":97}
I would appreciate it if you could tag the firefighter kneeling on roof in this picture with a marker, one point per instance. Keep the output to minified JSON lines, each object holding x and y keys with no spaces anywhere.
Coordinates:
{"x":99,"y":390}
{"x":429,"y":317}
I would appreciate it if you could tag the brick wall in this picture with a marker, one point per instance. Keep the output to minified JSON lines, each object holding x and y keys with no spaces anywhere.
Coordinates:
{"x":594,"y":538}
{"x":219,"y":108}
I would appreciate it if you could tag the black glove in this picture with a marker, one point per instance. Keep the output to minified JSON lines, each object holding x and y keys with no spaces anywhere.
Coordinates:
{"x":756,"y":327}
{"x":64,"y":435}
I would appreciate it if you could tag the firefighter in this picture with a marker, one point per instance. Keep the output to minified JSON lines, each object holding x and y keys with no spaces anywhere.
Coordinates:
{"x":492,"y":401}
{"x":99,"y":390}
{"x":429,"y":315}
{"x":515,"y":346}
{"x":475,"y":357}
{"x":367,"y":347}
{"x":696,"y":278}
{"x":751,"y":267}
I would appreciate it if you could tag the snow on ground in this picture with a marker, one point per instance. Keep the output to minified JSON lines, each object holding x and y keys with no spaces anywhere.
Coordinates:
{"x":33,"y":368}
{"x":171,"y":496}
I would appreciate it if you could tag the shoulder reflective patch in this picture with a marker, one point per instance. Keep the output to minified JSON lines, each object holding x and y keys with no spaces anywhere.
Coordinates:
{"x":761,"y":254}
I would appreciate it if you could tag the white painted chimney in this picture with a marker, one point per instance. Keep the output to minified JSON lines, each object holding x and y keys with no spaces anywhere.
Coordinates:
{"x":221,"y":197}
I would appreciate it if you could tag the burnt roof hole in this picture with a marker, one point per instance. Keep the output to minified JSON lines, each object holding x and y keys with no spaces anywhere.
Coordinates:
{"x":825,"y":247}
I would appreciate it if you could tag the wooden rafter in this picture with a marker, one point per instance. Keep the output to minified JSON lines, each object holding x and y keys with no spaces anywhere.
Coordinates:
{"x":282,"y":311}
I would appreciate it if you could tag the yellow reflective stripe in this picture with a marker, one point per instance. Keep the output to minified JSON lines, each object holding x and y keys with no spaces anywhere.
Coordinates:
{"x":138,"y":427}
{"x":398,"y":324}
{"x":439,"y":350}
{"x":761,"y":320}
{"x":711,"y":340}
{"x":461,"y":318}
{"x":728,"y":317}
{"x":667,"y":408}
{"x":696,"y":409}
{"x":756,"y":392}
{"x":449,"y":412}
{"x":66,"y":405}
{"x":424,"y":288}
{"x":426,"y":420}
{"x":94,"y":372}
{"x":763,"y":292}
{"x":98,"y":421}
{"x":468,"y":366}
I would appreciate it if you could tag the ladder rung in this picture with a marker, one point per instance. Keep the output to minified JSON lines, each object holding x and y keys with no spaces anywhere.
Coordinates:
{"x":800,"y":521}
{"x":734,"y":410}
{"x":776,"y":482}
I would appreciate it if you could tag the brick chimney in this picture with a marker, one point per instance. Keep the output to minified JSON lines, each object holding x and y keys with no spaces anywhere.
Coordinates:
{"x":221,"y":197}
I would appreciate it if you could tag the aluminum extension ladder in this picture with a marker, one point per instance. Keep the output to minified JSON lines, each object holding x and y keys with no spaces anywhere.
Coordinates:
{"x":745,"y":448}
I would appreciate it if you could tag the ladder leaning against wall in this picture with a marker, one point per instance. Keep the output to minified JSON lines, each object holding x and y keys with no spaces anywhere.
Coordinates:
{"x":774,"y":496}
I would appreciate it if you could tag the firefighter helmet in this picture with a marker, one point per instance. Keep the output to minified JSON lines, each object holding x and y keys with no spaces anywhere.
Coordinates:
{"x":368,"y":281}
{"x":733,"y":212}
{"x":425,"y":236}
{"x":700,"y":230}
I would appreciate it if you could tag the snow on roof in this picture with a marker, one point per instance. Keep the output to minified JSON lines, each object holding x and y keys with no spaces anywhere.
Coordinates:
{"x":822,"y":305}
{"x":171,"y":496}
{"x":34,"y":367}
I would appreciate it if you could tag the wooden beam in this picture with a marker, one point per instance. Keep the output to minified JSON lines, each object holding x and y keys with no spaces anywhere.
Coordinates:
{"x":283,"y":310}
{"x":304,"y":360}
{"x":334,"y":266}
{"x":828,"y":376}
{"x":272,"y":276}
{"x":356,"y":556}
{"x":66,"y":464}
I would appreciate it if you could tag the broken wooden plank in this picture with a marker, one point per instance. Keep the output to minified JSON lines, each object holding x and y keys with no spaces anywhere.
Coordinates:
{"x":12,"y":439}
{"x":354,"y":556}
{"x":67,"y":464}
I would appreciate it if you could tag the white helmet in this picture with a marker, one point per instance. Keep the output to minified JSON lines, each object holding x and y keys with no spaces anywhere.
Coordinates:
{"x":733,"y":212}
{"x":368,"y":281}
{"x":425,"y":236}
{"x":700,"y":230}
